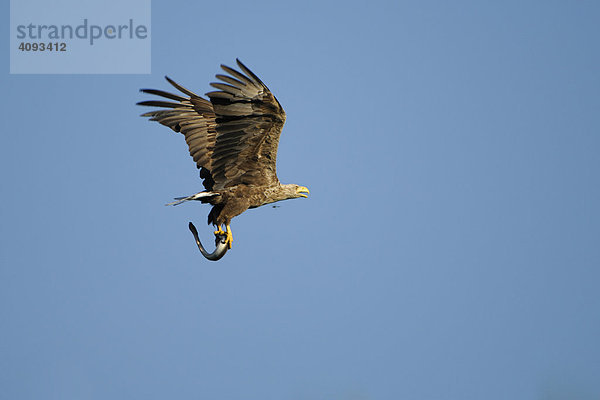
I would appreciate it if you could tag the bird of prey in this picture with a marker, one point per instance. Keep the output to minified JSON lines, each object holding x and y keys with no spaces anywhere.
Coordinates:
{"x":233,"y":138}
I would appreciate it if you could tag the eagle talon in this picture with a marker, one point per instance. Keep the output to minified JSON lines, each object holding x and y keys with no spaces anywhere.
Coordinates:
{"x":226,"y":237}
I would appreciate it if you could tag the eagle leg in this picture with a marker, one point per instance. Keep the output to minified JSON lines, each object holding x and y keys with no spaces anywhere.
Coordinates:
{"x":229,"y":236}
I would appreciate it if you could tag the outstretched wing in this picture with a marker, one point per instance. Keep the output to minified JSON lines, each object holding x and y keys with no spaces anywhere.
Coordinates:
{"x":234,"y":137}
{"x":249,"y":120}
{"x":194,"y":117}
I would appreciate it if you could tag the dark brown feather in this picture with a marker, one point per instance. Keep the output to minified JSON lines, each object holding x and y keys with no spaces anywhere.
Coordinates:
{"x":249,"y":123}
{"x":194,"y":117}
{"x":233,"y":138}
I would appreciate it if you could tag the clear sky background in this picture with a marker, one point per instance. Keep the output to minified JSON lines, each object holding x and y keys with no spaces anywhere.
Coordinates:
{"x":449,"y":248}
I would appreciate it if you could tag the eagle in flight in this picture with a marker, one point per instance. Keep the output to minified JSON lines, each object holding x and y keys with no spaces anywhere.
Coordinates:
{"x":233,"y":138}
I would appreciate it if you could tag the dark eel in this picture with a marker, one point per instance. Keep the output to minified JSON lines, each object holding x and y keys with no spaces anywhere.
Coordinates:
{"x":220,"y":243}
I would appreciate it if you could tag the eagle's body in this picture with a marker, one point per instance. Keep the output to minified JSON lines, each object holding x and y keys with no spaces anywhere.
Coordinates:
{"x":233,"y":139}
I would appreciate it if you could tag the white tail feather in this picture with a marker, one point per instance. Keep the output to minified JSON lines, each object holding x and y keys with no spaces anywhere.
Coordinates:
{"x":196,"y":196}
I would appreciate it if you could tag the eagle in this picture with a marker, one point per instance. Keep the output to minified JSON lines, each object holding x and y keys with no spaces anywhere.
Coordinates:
{"x":233,"y":138}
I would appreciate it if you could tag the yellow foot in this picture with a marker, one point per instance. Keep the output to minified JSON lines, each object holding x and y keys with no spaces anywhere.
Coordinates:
{"x":229,"y":236}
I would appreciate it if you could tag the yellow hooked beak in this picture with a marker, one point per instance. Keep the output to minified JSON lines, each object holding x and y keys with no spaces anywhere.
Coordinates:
{"x":302,"y":191}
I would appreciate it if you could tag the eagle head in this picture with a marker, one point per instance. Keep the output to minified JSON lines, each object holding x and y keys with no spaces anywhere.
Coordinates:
{"x":292,"y":191}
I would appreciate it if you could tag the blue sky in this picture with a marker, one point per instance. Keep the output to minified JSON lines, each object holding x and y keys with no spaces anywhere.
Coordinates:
{"x":448,"y":249}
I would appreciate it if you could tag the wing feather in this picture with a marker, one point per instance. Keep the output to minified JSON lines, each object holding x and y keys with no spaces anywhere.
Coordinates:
{"x":249,"y":120}
{"x":193,"y":116}
{"x":233,"y":138}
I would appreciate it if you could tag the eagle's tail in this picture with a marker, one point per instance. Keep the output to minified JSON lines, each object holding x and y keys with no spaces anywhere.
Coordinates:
{"x":202,"y":196}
